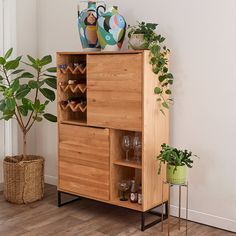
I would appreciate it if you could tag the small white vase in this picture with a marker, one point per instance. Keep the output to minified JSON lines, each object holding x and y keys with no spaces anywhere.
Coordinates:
{"x":137,"y":41}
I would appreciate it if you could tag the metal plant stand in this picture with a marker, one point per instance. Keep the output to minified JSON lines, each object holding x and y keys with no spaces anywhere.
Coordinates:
{"x":180,"y":196}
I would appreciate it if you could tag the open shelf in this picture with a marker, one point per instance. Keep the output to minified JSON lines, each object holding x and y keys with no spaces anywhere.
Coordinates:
{"x":127,"y":204}
{"x":132,"y":164}
{"x":74,"y":88}
{"x":73,"y":122}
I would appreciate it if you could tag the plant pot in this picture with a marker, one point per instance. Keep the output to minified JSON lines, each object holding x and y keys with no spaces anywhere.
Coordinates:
{"x":177,"y":177}
{"x":137,"y":42}
{"x":23,"y":179}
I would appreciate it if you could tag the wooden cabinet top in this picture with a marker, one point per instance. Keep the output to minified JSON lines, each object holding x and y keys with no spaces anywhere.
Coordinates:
{"x":102,"y":52}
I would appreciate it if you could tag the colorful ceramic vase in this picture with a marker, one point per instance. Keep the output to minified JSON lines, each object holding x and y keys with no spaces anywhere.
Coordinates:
{"x":87,"y":20}
{"x":111,"y":28}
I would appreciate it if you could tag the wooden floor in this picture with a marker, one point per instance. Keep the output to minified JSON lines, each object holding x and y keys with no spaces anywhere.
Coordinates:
{"x":85,"y":217}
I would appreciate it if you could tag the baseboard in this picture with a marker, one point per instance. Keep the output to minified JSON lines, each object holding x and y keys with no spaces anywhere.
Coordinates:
{"x":1,"y":187}
{"x":207,"y":219}
{"x":50,"y":179}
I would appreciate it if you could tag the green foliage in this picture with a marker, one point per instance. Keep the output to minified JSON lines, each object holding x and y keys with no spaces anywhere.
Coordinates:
{"x":175,"y":157}
{"x":158,"y":60}
{"x":20,"y":90}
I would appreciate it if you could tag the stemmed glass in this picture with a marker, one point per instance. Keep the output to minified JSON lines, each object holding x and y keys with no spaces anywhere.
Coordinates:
{"x":127,"y":145}
{"x":123,"y":186}
{"x":137,"y":148}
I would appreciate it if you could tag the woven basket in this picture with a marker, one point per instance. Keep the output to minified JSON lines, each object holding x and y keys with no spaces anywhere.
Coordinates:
{"x":23,"y":179}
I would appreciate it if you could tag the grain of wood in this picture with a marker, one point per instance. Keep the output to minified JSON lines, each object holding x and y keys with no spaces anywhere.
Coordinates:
{"x":84,"y":217}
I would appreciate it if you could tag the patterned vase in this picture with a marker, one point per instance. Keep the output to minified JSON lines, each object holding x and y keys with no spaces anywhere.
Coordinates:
{"x":111,"y":28}
{"x":87,"y":20}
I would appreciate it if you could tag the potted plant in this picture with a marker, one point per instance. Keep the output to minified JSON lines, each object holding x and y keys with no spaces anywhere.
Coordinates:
{"x":177,"y":162}
{"x":143,"y":36}
{"x":24,"y":97}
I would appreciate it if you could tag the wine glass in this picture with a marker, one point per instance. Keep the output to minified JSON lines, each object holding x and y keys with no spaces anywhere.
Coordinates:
{"x":137,"y":143}
{"x":127,"y":145}
{"x":123,"y":186}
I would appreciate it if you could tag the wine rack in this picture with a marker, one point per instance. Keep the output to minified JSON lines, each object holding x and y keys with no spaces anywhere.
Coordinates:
{"x":74,"y":70}
{"x":72,"y":84}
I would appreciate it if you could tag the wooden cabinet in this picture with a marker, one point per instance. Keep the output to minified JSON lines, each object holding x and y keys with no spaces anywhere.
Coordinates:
{"x":84,"y":160}
{"x":101,"y":98}
{"x":115,"y":91}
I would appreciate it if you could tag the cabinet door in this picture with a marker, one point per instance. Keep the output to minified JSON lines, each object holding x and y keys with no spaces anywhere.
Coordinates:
{"x":115,"y":91}
{"x":84,"y":161}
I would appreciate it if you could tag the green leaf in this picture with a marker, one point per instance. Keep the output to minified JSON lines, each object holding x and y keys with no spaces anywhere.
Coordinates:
{"x":1,"y":78}
{"x":27,"y":103}
{"x":36,"y":105}
{"x":162,"y":78}
{"x":169,"y":76}
{"x":22,"y":91}
{"x":27,"y":75}
{"x":8,"y":53}
{"x":168,"y":91}
{"x":165,"y":69}
{"x":34,"y":84}
{"x":12,"y":65}
{"x":49,"y":94}
{"x":157,"y":90}
{"x":165,"y":104}
{"x":31,"y":59}
{"x":50,"y":117}
{"x":10,"y":104}
{"x":52,"y":82}
{"x":2,"y":61}
{"x":46,"y":60}
{"x":2,"y":88}
{"x":15,"y":85}
{"x":23,"y":110}
{"x":17,"y":71}
{"x":2,"y":105}
{"x":52,"y":70}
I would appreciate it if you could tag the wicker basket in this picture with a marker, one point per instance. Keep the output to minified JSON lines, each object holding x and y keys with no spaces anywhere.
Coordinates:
{"x":23,"y":179}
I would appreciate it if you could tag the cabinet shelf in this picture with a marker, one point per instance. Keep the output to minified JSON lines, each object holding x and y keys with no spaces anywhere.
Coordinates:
{"x":127,"y":204}
{"x":74,"y":108}
{"x":76,"y":70}
{"x":75,"y":88}
{"x":128,"y":164}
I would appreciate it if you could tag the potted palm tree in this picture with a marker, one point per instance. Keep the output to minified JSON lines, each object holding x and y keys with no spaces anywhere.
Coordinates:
{"x":24,"y":96}
{"x":177,"y":162}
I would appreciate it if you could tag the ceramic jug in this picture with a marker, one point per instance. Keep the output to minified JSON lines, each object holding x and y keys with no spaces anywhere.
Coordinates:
{"x":111,"y":29}
{"x":87,"y":20}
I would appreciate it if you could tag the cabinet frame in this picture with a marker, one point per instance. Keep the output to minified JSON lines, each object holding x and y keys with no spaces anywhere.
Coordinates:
{"x":154,"y":129}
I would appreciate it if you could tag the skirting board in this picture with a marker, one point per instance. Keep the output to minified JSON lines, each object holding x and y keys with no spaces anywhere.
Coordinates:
{"x":50,"y":180}
{"x":207,"y":219}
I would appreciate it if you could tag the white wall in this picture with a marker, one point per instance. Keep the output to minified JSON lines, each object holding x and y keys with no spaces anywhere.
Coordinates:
{"x":26,"y":43}
{"x":21,"y":34}
{"x":202,"y":36}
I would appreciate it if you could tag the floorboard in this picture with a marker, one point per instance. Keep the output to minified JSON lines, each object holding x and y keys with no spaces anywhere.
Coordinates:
{"x":83,"y":218}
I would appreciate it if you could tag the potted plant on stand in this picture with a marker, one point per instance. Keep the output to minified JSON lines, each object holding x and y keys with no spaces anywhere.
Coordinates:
{"x":143,"y":36}
{"x":21,"y":99}
{"x":177,"y":162}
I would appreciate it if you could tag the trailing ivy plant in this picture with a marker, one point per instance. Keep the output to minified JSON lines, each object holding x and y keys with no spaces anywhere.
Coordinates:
{"x":158,"y":60}
{"x":20,"y":91}
{"x":175,"y":157}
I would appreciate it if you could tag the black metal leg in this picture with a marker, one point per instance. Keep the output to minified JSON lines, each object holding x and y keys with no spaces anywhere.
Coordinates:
{"x":59,"y":201}
{"x":166,"y":211}
{"x":144,"y":227}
